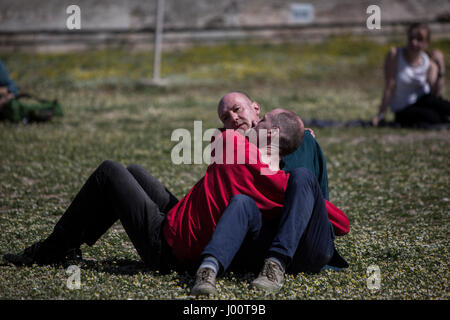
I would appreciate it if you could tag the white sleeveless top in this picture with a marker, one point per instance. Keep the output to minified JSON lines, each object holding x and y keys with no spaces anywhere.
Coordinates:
{"x":411,"y":81}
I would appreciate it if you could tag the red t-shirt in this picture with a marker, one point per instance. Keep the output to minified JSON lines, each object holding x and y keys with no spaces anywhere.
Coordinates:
{"x":190,"y":224}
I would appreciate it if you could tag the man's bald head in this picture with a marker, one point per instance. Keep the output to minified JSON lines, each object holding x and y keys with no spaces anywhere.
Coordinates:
{"x":231,"y":97}
{"x":237,"y":111}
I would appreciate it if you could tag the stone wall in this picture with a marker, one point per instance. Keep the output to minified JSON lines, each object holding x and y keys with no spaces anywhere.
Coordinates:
{"x":41,"y":25}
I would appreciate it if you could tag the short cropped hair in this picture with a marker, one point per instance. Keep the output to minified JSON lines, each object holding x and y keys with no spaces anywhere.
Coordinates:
{"x":291,"y":131}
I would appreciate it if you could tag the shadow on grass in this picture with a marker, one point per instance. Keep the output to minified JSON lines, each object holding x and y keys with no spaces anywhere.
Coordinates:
{"x":118,"y":266}
{"x":183,"y":277}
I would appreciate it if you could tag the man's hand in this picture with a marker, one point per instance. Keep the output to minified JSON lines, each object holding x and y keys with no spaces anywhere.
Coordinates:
{"x":3,"y":91}
{"x":312,"y":132}
{"x":376,"y":120}
{"x":5,"y":96}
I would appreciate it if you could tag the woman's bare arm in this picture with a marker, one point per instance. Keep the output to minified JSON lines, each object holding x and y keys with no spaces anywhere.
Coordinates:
{"x":436,"y":73}
{"x":390,"y":71}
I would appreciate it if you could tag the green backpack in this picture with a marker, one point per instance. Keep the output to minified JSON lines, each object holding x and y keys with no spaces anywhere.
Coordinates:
{"x":27,"y":108}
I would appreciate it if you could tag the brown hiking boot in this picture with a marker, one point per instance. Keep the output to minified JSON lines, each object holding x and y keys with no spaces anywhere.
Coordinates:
{"x":205,"y":282}
{"x":270,"y":278}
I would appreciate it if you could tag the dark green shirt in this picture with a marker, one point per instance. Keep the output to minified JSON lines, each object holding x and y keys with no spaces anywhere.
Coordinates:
{"x":310,"y":156}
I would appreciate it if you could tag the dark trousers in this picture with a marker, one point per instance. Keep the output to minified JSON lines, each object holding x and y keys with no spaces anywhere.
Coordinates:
{"x":428,"y":110}
{"x":112,"y":193}
{"x":303,"y":238}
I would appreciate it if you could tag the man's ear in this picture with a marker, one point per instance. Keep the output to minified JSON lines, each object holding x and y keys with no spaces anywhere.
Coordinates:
{"x":256,"y":107}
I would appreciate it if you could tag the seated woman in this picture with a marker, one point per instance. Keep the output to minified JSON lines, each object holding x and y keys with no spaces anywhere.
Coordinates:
{"x":414,"y":81}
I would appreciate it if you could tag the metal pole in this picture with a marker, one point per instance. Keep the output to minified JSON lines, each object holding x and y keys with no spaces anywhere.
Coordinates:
{"x":158,"y":40}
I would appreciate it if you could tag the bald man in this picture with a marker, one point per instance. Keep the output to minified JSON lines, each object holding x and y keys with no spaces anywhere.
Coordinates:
{"x":238,"y":111}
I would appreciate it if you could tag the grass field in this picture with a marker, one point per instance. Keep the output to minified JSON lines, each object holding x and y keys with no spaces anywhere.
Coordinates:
{"x":392,"y":183}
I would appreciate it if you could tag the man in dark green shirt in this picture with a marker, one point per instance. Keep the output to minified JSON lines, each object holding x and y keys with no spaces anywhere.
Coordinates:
{"x":309,"y":155}
{"x":237,"y":111}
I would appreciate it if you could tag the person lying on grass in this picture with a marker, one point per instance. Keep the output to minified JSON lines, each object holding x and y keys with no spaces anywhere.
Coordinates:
{"x":168,"y":234}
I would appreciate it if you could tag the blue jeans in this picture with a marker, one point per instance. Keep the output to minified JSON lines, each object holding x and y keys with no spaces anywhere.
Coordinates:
{"x":303,"y":237}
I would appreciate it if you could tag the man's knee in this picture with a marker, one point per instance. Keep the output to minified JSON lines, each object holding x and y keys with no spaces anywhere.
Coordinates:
{"x":142,"y":174}
{"x":106,"y":164}
{"x":246,"y":205}
{"x":110,"y":167}
{"x":245,"y":209}
{"x":243,"y":200}
{"x":145,"y":179}
{"x":134,"y":168}
{"x":303,"y":175}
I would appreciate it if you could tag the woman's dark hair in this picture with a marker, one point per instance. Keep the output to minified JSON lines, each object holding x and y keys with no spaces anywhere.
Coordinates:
{"x":420,"y":25}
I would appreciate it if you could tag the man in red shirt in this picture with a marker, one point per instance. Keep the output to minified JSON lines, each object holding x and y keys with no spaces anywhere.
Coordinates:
{"x":145,"y":207}
{"x":166,"y":233}
{"x":192,"y":221}
{"x":187,"y":225}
